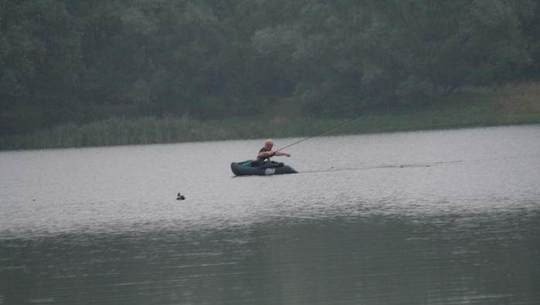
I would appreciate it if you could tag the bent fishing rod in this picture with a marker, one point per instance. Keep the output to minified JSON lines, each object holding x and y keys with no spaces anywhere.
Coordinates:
{"x":318,"y":135}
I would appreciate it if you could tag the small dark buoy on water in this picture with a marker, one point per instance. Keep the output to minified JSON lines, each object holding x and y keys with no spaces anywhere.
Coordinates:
{"x":180,"y":197}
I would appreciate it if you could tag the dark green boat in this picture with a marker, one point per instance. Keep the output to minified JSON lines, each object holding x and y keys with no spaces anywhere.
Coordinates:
{"x":249,"y":167}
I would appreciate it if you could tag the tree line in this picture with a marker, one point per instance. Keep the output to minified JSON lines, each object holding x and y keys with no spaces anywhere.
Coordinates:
{"x":73,"y":61}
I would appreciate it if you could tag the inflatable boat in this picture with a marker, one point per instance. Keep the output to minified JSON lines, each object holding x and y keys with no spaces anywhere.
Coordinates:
{"x":250,"y":167}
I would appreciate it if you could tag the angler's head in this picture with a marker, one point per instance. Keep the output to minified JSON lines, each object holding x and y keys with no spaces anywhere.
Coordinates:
{"x":268,"y":144}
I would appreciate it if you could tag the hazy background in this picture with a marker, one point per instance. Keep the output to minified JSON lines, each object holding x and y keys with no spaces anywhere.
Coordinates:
{"x":65,"y":63}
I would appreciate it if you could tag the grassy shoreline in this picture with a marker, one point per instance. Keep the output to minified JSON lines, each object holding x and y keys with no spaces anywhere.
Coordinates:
{"x":508,"y":105}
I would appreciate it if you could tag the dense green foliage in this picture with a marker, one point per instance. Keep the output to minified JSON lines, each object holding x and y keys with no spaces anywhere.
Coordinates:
{"x":83,"y":61}
{"x":508,"y":105}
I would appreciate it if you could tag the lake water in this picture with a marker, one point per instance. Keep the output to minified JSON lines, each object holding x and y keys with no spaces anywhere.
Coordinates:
{"x":438,"y":217}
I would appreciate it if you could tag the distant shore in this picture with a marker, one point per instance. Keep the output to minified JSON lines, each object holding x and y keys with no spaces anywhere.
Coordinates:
{"x":508,"y":105}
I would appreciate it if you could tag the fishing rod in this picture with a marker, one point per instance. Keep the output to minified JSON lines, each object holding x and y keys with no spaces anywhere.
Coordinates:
{"x":318,"y":135}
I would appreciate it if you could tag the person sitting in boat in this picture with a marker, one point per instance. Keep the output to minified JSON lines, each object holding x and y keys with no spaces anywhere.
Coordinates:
{"x":265,"y":153}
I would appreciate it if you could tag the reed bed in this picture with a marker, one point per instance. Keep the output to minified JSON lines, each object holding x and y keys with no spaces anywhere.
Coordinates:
{"x":516,"y":104}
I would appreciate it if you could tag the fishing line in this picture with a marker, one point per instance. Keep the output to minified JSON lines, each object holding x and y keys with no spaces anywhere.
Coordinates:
{"x":318,"y":135}
{"x":381,"y":166}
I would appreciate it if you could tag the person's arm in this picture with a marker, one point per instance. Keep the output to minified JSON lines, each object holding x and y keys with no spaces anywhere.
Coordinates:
{"x":280,"y":153}
{"x":265,"y":154}
{"x":268,"y":154}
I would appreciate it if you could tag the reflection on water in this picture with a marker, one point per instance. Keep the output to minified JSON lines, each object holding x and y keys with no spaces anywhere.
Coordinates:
{"x":462,"y":259}
{"x":449,"y":217}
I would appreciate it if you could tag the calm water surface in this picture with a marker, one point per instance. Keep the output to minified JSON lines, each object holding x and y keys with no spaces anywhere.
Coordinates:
{"x":439,"y":217}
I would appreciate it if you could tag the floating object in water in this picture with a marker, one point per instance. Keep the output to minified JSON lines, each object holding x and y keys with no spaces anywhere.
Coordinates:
{"x":250,"y":167}
{"x":180,"y":197}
